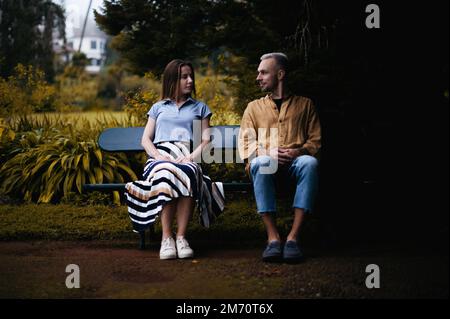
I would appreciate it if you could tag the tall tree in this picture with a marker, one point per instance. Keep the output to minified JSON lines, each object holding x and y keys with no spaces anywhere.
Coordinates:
{"x":148,"y":34}
{"x":27,"y":31}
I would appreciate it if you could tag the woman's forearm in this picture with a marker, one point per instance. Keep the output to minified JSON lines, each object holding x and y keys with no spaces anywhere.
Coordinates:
{"x":206,"y":138}
{"x":197,"y":152}
{"x":150,"y":148}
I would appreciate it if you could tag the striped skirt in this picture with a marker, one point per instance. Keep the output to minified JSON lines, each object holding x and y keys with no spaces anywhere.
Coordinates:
{"x":163,"y":181}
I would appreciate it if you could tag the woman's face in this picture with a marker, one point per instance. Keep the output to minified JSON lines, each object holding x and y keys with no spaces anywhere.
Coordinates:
{"x":186,"y":81}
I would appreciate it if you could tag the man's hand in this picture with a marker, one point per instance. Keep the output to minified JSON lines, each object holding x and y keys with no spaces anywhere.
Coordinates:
{"x":273,"y":152}
{"x":282,"y":155}
{"x":287,"y":155}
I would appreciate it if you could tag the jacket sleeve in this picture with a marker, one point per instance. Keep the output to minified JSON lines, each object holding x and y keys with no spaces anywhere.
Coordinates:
{"x":314,"y":140}
{"x":247,"y":142}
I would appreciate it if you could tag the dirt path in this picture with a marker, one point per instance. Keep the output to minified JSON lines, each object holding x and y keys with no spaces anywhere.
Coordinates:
{"x":116,"y":269}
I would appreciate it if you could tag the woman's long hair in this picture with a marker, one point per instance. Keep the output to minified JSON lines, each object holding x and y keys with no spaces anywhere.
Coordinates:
{"x":171,"y":79}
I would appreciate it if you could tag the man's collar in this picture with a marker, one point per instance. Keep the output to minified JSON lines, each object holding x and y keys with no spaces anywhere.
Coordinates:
{"x":287,"y":96}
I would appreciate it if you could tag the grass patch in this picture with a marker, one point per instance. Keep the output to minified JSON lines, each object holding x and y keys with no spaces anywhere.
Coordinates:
{"x":63,"y":222}
{"x":69,"y":222}
{"x":238,"y":223}
{"x":77,"y":119}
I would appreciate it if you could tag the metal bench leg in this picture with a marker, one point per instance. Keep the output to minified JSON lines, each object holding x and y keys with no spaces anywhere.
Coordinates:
{"x":151,"y":232}
{"x":142,"y":241}
{"x":151,"y":236}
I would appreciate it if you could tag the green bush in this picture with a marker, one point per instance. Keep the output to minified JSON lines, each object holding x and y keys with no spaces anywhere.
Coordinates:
{"x":213,"y":91}
{"x":50,"y":163}
{"x":7,"y":137}
{"x":138,"y":103}
{"x":77,"y":90}
{"x":231,"y":172}
{"x":26,"y":91}
{"x":241,"y":80}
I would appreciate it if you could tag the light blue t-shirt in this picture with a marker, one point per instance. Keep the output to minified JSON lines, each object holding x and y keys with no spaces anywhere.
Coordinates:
{"x":176,"y":124}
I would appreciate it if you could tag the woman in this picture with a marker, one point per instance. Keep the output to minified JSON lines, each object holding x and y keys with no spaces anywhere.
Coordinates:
{"x":172,"y":182}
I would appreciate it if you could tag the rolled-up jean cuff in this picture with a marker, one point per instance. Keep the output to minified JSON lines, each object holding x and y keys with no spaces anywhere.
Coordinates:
{"x":262,"y":212}
{"x":306,"y":210}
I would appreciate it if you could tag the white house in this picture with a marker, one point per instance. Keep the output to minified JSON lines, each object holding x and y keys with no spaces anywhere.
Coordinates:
{"x":94,"y":40}
{"x":93,"y":45}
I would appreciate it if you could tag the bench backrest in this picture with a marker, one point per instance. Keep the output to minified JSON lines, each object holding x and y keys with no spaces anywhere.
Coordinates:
{"x":128,"y":139}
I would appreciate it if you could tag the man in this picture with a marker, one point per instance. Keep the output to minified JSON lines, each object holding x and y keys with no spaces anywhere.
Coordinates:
{"x":279,"y":138}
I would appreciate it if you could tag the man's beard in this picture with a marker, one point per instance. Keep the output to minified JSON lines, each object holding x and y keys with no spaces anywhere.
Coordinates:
{"x":268,"y":88}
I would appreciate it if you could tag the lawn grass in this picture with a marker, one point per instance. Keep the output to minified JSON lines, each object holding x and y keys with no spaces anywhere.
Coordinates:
{"x":239,"y":222}
{"x":78,"y":119}
{"x":70,"y":222}
{"x":64,"y":222}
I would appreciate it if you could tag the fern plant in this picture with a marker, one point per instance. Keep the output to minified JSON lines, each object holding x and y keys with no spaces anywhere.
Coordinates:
{"x":52,"y":165}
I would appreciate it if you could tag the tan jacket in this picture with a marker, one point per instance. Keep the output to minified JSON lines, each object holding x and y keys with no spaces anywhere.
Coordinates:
{"x":295,"y":126}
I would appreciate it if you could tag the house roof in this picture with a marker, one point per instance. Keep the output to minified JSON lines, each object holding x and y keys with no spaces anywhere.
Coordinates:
{"x":92,"y":30}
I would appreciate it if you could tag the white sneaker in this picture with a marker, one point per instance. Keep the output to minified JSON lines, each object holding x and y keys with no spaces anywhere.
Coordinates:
{"x":168,"y":250}
{"x":183,"y":249}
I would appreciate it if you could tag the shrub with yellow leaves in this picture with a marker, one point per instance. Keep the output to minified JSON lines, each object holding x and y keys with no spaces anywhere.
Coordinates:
{"x":26,"y":91}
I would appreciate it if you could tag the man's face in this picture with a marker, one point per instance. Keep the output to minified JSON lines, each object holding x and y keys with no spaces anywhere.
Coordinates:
{"x":268,"y":75}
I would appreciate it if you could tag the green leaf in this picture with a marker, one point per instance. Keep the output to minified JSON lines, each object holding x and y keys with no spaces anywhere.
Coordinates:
{"x":108,"y":172}
{"x":70,"y":161}
{"x":64,"y":161}
{"x":40,"y":163}
{"x":68,"y":182}
{"x":118,"y":177}
{"x":128,"y":170}
{"x":54,"y":183}
{"x":116,"y":198}
{"x":98,"y":154}
{"x":112,"y":162}
{"x":98,"y":175}
{"x":86,"y":162}
{"x":78,"y":181}
{"x":27,"y":196}
{"x":46,"y":197}
{"x":77,"y":160}
{"x":91,"y":178}
{"x":50,"y":168}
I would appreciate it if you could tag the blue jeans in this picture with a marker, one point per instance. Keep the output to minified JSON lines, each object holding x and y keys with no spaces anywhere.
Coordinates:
{"x":303,"y":171}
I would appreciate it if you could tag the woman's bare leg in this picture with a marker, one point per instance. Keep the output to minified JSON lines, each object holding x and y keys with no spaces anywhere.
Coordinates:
{"x":185,"y":207}
{"x":167,"y":215}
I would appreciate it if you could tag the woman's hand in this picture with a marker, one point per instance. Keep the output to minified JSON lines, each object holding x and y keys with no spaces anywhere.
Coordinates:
{"x":160,"y":157}
{"x":183,"y":159}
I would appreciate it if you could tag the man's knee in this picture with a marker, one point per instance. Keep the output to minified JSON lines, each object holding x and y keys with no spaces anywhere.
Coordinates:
{"x":306,"y":162}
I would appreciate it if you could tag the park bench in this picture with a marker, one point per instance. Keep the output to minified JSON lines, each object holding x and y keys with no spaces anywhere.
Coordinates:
{"x":223,"y":142}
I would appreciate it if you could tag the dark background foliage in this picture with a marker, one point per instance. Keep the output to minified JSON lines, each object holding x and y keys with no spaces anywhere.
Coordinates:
{"x":27,"y":28}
